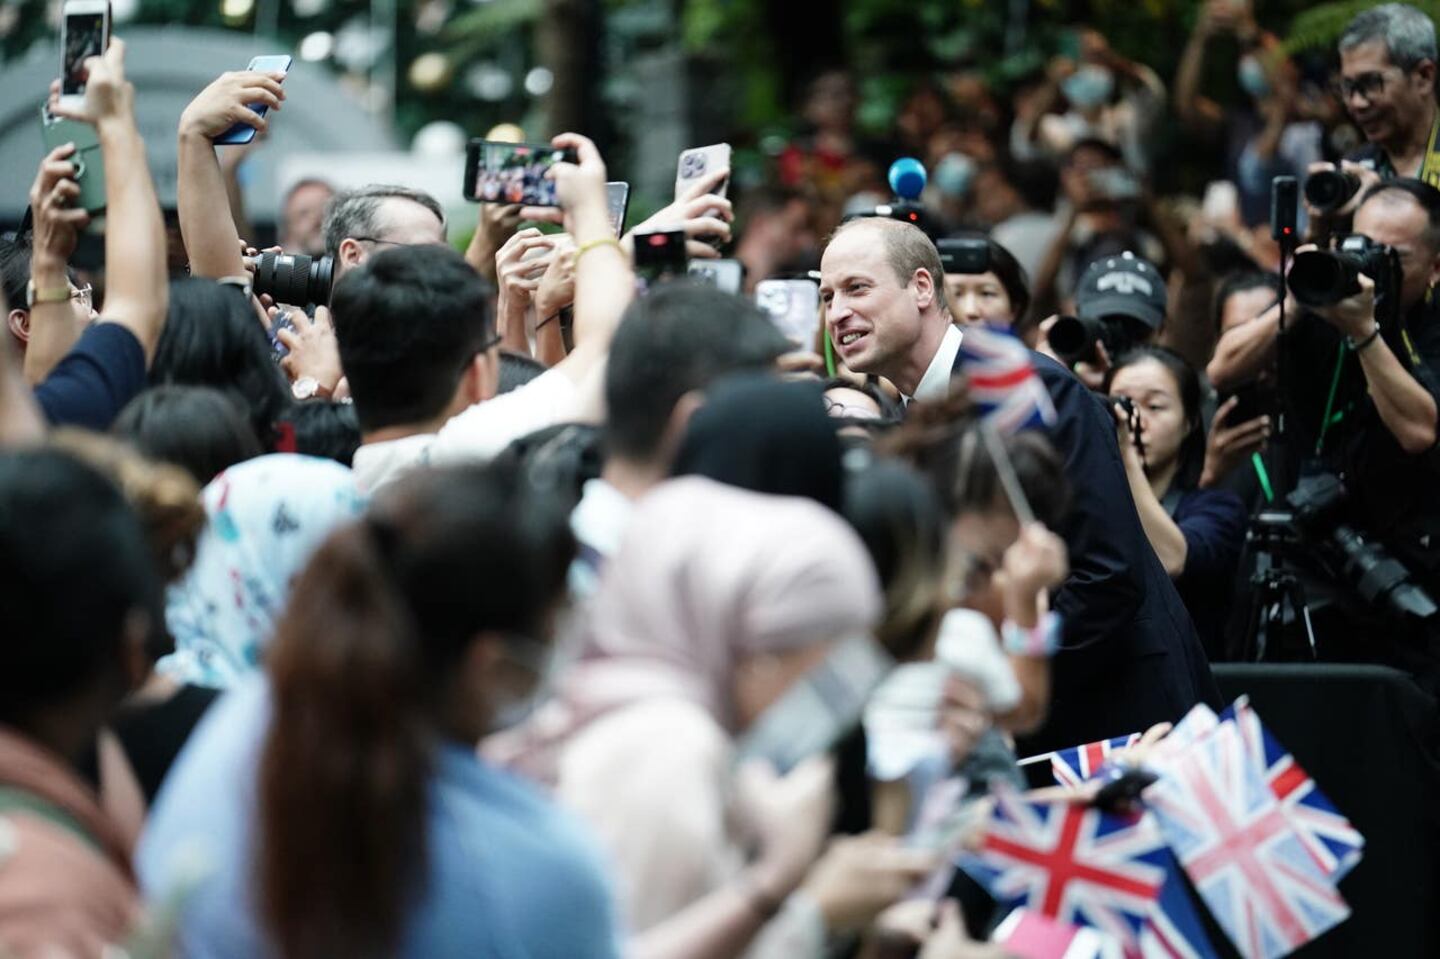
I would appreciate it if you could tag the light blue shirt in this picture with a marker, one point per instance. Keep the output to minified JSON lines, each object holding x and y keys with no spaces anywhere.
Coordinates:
{"x":508,"y":874}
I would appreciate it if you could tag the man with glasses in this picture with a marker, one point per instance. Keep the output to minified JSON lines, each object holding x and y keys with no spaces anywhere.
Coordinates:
{"x":1387,"y":83}
{"x":360,"y":223}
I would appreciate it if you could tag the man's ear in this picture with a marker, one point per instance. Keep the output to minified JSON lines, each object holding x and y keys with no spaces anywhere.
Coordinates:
{"x":1424,"y":76}
{"x":351,"y":252}
{"x":480,"y":381}
{"x":924,"y":289}
{"x":19,"y":321}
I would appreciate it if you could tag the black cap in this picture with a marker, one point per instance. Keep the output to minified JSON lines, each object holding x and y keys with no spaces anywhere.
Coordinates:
{"x":1122,"y":285}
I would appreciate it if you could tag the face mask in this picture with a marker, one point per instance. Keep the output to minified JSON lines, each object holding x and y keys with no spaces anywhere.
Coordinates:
{"x":1089,"y":86}
{"x":545,"y":664}
{"x":954,"y":174}
{"x":1252,"y":78}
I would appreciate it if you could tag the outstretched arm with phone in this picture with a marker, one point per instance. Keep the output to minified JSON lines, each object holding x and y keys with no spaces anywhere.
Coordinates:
{"x":211,"y":239}
{"x":55,"y":326}
{"x":137,"y":293}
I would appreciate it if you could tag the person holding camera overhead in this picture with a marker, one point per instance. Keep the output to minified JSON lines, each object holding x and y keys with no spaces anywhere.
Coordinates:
{"x":1387,"y":84}
{"x":1360,"y":376}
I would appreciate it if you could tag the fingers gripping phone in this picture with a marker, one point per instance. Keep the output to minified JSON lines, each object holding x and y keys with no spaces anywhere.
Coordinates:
{"x":244,"y":132}
{"x":88,"y":160}
{"x":84,"y":33}
{"x":700,"y":162}
{"x":498,"y":172}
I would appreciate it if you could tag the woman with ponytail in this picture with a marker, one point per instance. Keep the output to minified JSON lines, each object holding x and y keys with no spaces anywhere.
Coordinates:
{"x":338,"y":807}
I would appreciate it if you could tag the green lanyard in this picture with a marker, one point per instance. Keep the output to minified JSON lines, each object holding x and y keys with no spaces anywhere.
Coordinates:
{"x":1332,"y":415}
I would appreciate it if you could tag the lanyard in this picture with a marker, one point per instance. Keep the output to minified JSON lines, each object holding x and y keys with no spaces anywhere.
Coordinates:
{"x":1332,"y":416}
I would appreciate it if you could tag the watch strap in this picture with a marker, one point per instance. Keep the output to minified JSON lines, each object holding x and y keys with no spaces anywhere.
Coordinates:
{"x":33,"y":296}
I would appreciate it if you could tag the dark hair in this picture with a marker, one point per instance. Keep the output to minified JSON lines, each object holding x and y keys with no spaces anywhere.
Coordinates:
{"x":678,"y":339}
{"x":390,"y":607}
{"x":213,"y":337}
{"x":1009,"y":272}
{"x":1037,"y":182}
{"x":15,"y":270}
{"x":197,"y":428}
{"x":1242,"y":281}
{"x":1110,"y":150}
{"x":74,"y":566}
{"x":1422,"y":193}
{"x":899,"y":518}
{"x":355,"y":213}
{"x":517,"y":369}
{"x":944,"y":442}
{"x":767,"y":435}
{"x":325,"y":429}
{"x":1192,"y":449}
{"x":409,"y":322}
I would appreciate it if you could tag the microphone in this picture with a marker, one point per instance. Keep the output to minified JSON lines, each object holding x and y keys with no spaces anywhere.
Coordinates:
{"x":907,"y":178}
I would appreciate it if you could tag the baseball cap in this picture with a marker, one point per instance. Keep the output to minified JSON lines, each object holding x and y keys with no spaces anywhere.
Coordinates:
{"x":1122,"y":285}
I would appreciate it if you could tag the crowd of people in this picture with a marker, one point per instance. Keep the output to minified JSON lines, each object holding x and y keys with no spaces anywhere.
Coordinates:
{"x":487,"y":606}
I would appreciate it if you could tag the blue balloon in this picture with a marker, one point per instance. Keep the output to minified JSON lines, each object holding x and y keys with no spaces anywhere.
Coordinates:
{"x":907,"y":177}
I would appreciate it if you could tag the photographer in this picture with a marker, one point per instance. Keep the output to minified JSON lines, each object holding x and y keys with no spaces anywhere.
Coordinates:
{"x":1120,"y":304}
{"x":1387,"y":83}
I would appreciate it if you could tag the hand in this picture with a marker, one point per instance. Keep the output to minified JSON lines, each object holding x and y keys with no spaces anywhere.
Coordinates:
{"x":1129,"y":449}
{"x":1036,"y":562}
{"x":225,"y":102}
{"x":790,"y":817}
{"x":1353,"y":316}
{"x":579,"y":185}
{"x":964,"y":717}
{"x":517,"y":276}
{"x":314,"y":351}
{"x":1228,"y":447}
{"x":57,"y":225}
{"x":860,"y":876}
{"x":697,"y":212}
{"x":557,"y":284}
{"x":108,"y":96}
{"x":951,"y":940}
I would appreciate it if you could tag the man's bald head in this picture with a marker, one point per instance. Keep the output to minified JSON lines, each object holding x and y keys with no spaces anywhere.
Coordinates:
{"x":906,"y":248}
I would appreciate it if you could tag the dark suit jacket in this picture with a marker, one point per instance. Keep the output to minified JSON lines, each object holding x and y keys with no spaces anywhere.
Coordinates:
{"x":1129,"y":654}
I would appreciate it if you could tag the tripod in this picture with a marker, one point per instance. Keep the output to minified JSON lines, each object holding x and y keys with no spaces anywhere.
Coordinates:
{"x":1279,"y":602}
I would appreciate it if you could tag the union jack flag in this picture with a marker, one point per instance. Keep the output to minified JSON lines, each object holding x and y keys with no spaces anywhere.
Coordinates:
{"x":1002,"y":381}
{"x":1073,"y":863}
{"x":1073,"y":766}
{"x":1173,"y":929}
{"x":1240,"y":850}
{"x":1324,"y":831}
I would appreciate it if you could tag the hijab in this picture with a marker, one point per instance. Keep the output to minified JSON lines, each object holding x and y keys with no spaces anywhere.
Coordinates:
{"x":265,"y":517}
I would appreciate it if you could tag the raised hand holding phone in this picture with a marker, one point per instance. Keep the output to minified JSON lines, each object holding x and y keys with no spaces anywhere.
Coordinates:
{"x":697,"y":213}
{"x":84,"y":33}
{"x":228,"y":101}
{"x":243,"y":131}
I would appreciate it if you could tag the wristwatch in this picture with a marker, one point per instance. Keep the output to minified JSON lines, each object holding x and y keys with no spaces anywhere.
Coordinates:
{"x":58,"y":294}
{"x":308,"y":387}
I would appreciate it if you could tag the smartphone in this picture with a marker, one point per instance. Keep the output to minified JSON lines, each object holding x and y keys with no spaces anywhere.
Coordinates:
{"x":660,"y":255}
{"x":283,"y":320}
{"x":970,"y":255}
{"x":1115,"y":183}
{"x":244,"y":132}
{"x":819,"y":709}
{"x":617,"y":198}
{"x":793,"y":306}
{"x":726,"y":275}
{"x":1252,"y":400}
{"x":498,"y":172}
{"x":84,"y":33}
{"x":89,"y":161}
{"x":698,"y":162}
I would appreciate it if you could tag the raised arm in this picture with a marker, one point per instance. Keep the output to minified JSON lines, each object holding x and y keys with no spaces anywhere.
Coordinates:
{"x":137,"y":291}
{"x":211,"y":239}
{"x":55,"y":326}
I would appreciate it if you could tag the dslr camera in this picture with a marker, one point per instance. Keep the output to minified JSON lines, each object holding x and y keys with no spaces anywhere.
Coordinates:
{"x":1329,"y":190}
{"x":1325,"y":277}
{"x":293,"y":278}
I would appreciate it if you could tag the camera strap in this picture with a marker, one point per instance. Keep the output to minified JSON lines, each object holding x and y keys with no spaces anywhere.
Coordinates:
{"x":1332,"y":416}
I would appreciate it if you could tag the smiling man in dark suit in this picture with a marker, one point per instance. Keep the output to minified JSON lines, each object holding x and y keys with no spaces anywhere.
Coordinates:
{"x":1129,"y":656}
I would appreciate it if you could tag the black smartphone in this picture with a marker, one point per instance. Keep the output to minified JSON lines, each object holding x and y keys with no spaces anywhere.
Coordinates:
{"x":969,"y":255}
{"x":660,"y":255}
{"x":617,"y":199}
{"x":498,"y":172}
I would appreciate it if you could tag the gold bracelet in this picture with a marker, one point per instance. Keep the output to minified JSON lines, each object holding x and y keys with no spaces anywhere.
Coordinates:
{"x":589,"y":245}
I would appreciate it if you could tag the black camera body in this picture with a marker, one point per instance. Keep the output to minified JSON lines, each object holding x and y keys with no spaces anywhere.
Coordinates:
{"x":969,"y":255}
{"x":293,"y":278}
{"x":1325,"y":277}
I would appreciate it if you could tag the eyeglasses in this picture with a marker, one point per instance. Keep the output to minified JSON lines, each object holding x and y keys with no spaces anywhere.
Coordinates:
{"x":1366,"y":85}
{"x":376,"y":239}
{"x":836,"y":408}
{"x":85,"y":296}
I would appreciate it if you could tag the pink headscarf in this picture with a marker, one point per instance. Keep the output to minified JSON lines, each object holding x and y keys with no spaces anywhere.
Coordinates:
{"x":707,"y":573}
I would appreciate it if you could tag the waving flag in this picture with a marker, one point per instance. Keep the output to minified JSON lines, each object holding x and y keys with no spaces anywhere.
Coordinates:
{"x":1241,"y":851}
{"x":1078,"y":764}
{"x":1002,"y":381}
{"x":1173,"y":929}
{"x":1328,"y":835}
{"x":1074,"y":863}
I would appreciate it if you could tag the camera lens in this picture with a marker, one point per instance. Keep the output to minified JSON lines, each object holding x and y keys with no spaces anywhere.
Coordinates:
{"x":294,"y":278}
{"x":1328,"y":190}
{"x":1320,"y":278}
{"x":1074,"y":339}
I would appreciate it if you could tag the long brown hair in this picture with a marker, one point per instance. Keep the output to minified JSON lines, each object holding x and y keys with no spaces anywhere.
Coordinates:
{"x":360,"y":661}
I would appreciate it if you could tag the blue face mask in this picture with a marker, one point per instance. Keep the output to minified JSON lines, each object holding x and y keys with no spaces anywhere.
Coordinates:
{"x":1089,"y":86}
{"x":1253,"y":79}
{"x":954,"y":174}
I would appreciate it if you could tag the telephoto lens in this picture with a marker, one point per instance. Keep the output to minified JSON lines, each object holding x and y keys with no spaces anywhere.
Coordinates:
{"x":1329,"y":190}
{"x":1074,"y":339}
{"x":1323,"y":278}
{"x":294,"y":278}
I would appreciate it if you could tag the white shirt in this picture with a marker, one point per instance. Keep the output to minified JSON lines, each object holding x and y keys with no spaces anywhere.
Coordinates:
{"x":479,"y":433}
{"x":598,"y":522}
{"x":935,"y":384}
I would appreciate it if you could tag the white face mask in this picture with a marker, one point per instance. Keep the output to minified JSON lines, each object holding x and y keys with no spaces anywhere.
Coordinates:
{"x":545,"y":664}
{"x":1253,"y":79}
{"x":1089,"y":86}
